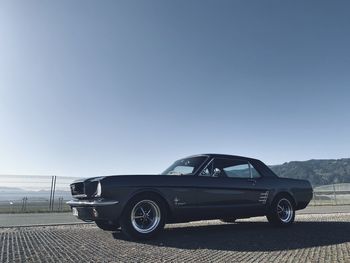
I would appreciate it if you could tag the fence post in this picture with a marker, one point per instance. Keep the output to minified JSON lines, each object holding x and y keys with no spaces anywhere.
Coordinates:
{"x":61,"y":204}
{"x":335,"y":195}
{"x":24,"y":204}
{"x":51,"y":193}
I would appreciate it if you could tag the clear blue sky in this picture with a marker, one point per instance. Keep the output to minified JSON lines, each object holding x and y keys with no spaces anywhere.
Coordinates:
{"x":110,"y":87}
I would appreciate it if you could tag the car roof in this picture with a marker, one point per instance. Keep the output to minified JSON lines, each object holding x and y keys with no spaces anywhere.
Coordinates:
{"x":262,"y":168}
{"x":229,"y":156}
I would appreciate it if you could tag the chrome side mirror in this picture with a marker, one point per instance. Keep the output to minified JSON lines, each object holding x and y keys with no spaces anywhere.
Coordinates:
{"x":216,"y":173}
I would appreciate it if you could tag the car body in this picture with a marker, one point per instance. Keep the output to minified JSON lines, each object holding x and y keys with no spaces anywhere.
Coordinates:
{"x":199,"y":187}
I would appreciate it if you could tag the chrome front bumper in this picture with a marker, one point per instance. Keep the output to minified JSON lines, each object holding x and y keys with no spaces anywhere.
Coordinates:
{"x":99,"y":202}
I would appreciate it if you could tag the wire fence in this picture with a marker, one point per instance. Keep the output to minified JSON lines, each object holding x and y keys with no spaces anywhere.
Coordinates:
{"x":21,"y":194}
{"x":333,"y":194}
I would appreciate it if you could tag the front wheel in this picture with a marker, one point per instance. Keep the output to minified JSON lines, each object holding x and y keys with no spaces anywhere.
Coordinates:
{"x":282,"y":212}
{"x":143,"y":217}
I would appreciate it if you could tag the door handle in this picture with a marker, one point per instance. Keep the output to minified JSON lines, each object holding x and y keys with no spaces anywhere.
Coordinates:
{"x":253,"y":181}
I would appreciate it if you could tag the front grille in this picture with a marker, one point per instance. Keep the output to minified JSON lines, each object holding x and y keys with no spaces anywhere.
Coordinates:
{"x":77,"y":189}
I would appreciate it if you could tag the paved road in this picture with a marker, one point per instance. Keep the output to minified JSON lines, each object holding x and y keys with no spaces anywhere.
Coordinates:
{"x":313,"y":238}
{"x":27,"y":219}
{"x":7,"y":220}
{"x":325,"y":209}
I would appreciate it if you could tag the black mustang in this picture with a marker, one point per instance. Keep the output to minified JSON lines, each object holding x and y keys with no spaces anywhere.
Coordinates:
{"x":207,"y":186}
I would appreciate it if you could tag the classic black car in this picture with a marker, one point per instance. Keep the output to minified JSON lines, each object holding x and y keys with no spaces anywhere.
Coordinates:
{"x":206,"y":186}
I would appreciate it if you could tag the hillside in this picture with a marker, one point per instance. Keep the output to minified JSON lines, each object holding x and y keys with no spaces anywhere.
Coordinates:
{"x":318,"y":172}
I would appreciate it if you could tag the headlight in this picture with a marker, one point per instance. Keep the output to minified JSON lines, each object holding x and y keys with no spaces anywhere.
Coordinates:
{"x":98,"y":190}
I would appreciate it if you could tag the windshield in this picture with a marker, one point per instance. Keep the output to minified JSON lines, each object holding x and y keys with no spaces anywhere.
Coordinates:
{"x":185,"y":166}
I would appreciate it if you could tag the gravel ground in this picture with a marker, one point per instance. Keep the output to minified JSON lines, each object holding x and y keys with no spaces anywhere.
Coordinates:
{"x":30,"y":219}
{"x":313,"y":238}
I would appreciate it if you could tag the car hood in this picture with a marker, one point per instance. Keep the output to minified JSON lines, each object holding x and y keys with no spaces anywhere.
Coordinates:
{"x":99,"y":178}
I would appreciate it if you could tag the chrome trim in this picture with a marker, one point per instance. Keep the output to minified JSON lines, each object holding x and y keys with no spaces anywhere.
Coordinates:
{"x":285,"y":210}
{"x":140,"y":218}
{"x":263,"y":197}
{"x":98,"y":189}
{"x":91,"y":203}
{"x":178,"y":203}
{"x":250,"y":170}
{"x":80,"y":196}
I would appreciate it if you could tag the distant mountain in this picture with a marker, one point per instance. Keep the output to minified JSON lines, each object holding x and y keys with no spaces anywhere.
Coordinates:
{"x":318,"y":172}
{"x":10,"y":189}
{"x":13,"y":193}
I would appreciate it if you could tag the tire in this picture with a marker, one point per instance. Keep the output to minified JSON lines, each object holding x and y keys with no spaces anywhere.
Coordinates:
{"x":228,"y":220}
{"x":107,"y":225}
{"x":143,"y":217}
{"x":282,"y":211}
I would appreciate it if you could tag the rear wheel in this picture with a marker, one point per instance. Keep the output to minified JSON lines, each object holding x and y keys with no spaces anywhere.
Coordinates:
{"x":107,"y":225}
{"x":143,"y":217}
{"x":282,"y":211}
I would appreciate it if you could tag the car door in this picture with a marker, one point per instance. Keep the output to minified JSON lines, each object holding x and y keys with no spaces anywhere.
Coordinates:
{"x":230,"y":187}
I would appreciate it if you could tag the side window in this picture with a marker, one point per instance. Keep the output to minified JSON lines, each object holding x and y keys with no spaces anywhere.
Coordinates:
{"x":238,"y":171}
{"x":234,"y":169}
{"x":230,"y":168}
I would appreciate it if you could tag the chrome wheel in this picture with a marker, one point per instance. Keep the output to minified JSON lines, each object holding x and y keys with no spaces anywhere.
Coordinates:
{"x":145,"y":216}
{"x":285,"y":210}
